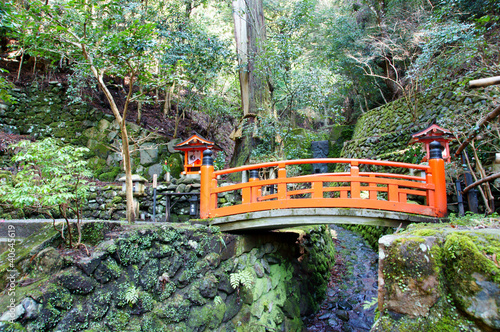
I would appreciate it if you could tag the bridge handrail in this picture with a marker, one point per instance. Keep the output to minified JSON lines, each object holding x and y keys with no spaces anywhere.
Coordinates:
{"x":396,"y":187}
{"x":322,"y":161}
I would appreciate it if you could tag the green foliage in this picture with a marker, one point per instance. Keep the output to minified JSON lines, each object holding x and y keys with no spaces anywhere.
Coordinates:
{"x":414,"y":154}
{"x":445,"y":48}
{"x":218,"y":300}
{"x":131,"y":295}
{"x":5,"y":87}
{"x":52,"y":175}
{"x":368,"y":304}
{"x":471,"y":219}
{"x":243,"y":278}
{"x":220,"y":161}
{"x":465,"y":9}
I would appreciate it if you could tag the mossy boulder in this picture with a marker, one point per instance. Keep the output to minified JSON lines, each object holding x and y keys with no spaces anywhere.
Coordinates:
{"x":411,"y":270}
{"x":428,"y":263}
{"x":474,"y":274}
{"x":176,"y":164}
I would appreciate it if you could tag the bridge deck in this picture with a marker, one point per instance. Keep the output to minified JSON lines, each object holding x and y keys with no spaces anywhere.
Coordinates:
{"x":275,"y":219}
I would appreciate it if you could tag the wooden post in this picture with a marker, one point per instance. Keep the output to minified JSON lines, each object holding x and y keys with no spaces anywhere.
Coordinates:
{"x":355,"y":185}
{"x":207,"y":171}
{"x":254,"y":176}
{"x":281,"y":184}
{"x":155,"y":176}
{"x":436,"y":164}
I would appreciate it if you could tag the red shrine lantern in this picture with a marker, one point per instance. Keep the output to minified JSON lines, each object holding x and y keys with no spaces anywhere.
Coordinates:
{"x":434,"y":133}
{"x":193,"y":149}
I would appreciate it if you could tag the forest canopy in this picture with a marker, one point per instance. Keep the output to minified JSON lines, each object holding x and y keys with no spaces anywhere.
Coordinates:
{"x":319,"y":63}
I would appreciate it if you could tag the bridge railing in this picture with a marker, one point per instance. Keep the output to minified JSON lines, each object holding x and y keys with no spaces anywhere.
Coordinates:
{"x":353,"y":189}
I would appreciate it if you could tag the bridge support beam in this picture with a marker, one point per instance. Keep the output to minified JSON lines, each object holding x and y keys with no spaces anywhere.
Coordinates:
{"x":436,"y":164}
{"x":276,"y":219}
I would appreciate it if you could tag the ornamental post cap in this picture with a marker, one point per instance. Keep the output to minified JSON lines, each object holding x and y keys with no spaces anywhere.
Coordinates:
{"x":207,"y":158}
{"x":435,"y":150}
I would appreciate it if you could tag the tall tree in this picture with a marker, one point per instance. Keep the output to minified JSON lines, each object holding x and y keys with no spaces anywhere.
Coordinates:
{"x":250,"y":35}
{"x":104,"y":38}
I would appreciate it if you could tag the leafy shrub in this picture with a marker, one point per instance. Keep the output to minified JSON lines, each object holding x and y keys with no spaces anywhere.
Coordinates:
{"x":52,"y":176}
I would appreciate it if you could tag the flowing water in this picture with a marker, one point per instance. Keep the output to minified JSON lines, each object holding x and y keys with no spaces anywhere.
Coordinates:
{"x":354,"y":282}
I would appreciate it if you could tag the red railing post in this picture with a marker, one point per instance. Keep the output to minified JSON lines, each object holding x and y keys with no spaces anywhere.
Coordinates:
{"x":282,"y":185}
{"x":355,"y":185}
{"x":254,"y":176}
{"x":436,"y":164}
{"x":207,"y":172}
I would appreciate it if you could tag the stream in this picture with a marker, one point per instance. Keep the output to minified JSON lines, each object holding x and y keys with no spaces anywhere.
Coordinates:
{"x":354,"y":281}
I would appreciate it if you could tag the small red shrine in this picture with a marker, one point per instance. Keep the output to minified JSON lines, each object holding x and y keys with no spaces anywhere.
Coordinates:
{"x":193,"y":149}
{"x":434,"y":133}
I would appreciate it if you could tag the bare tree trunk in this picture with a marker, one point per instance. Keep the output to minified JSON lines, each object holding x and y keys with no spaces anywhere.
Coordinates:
{"x":168,"y":99}
{"x":129,"y":194}
{"x":249,"y":34}
{"x":139,"y":105}
{"x":177,"y":121}
{"x":125,"y":145}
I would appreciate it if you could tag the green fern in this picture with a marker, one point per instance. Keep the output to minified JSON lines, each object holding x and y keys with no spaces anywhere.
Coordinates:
{"x":244,"y":278}
{"x":132,"y":295}
{"x":368,"y":304}
{"x":218,"y":300}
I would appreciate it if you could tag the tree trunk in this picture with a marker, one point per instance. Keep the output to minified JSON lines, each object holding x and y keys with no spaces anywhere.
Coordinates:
{"x":129,"y":194}
{"x":168,"y":99}
{"x":249,"y":34}
{"x":125,"y":147}
{"x":99,"y":75}
{"x":139,"y":105}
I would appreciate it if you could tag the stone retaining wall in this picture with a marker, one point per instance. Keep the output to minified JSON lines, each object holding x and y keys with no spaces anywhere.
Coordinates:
{"x":46,"y":111}
{"x":167,"y":278}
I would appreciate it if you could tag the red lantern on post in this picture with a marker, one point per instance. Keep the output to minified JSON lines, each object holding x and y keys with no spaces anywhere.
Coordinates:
{"x":434,"y":133}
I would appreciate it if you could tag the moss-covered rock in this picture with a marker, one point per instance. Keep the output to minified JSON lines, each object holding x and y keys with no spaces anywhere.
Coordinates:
{"x":410,"y":267}
{"x":428,"y":263}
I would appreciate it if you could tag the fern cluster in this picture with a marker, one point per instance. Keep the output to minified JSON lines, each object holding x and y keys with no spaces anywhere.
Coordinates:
{"x":244,"y":278}
{"x":132,"y":295}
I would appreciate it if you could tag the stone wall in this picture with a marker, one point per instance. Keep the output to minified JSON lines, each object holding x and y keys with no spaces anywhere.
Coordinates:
{"x":42,"y":112}
{"x":439,"y":278}
{"x":384,"y":132}
{"x":108,"y":202}
{"x":166,"y":278}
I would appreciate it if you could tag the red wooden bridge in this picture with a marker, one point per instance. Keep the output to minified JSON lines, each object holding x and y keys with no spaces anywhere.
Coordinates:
{"x":368,"y":190}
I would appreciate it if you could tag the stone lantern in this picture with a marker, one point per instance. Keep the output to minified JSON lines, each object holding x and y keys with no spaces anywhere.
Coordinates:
{"x":434,"y":133}
{"x":193,"y":149}
{"x":137,"y":189}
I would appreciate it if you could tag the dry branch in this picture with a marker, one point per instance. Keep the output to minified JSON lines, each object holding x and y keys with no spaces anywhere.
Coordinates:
{"x":473,"y":133}
{"x":483,"y":82}
{"x":483,"y":180}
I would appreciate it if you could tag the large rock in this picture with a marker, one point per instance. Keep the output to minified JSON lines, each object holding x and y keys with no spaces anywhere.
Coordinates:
{"x":473,"y":273}
{"x":408,"y":274}
{"x":155,"y":169}
{"x":149,"y":154}
{"x":423,"y":266}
